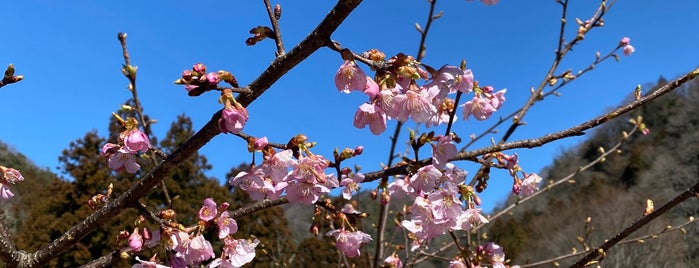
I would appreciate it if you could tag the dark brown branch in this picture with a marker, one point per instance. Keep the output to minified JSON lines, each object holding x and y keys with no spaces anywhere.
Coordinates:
{"x":316,"y":39}
{"x":108,"y":260}
{"x":689,"y":193}
{"x":258,"y":206}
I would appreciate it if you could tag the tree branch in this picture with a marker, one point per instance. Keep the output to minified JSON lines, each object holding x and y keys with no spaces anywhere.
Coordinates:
{"x":602,"y":249}
{"x":280,"y":66}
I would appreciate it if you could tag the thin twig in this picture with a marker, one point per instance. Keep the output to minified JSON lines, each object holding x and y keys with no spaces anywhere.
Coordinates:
{"x":275,"y":26}
{"x":552,"y":91}
{"x":693,"y":191}
{"x":131,"y":75}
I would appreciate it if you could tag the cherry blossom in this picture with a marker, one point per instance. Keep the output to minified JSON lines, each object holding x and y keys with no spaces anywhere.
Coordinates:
{"x":349,"y":242}
{"x":372,"y":115}
{"x":198,"y":249}
{"x":8,"y":176}
{"x":147,"y":264}
{"x":226,"y":225}
{"x":350,"y":77}
{"x":233,"y":119}
{"x":136,"y":141}
{"x":136,"y":240}
{"x":208,"y":211}
{"x":351,"y":185}
{"x":236,"y":253}
{"x":442,"y":151}
{"x":530,"y":184}
{"x":119,"y":158}
{"x":426,"y":178}
{"x":480,"y":108}
{"x":414,"y":105}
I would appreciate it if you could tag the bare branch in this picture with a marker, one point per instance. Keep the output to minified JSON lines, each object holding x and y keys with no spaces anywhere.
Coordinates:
{"x":689,"y":193}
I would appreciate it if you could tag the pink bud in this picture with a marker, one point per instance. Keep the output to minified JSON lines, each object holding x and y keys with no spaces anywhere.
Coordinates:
{"x":516,"y":188}
{"x":186,"y":75}
{"x":136,"y":240}
{"x":224,"y":206}
{"x":625,"y":41}
{"x":260,"y":143}
{"x":146,"y":233}
{"x":358,"y":150}
{"x":385,"y":198}
{"x":213,"y":78}
{"x":199,"y":68}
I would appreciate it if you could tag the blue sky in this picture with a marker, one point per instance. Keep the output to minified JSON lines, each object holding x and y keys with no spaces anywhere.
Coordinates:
{"x":70,"y":58}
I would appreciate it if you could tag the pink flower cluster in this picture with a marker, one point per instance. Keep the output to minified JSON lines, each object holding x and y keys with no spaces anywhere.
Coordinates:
{"x":8,"y":176}
{"x":303,"y":179}
{"x":397,"y":95}
{"x":137,"y":239}
{"x":489,"y":253}
{"x":525,"y":186}
{"x":122,"y":156}
{"x":628,"y":49}
{"x":236,"y":252}
{"x":225,"y":224}
{"x":196,"y":81}
{"x":349,"y":242}
{"x":438,"y":202}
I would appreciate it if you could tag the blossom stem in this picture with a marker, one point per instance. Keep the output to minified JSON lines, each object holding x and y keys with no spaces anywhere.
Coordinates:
{"x":275,"y":27}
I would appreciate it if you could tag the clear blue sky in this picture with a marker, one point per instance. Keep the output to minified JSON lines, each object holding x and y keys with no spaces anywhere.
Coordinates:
{"x":70,"y":58}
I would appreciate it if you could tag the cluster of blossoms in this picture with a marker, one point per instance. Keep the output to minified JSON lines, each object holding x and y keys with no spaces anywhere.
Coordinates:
{"x":626,"y":46}
{"x":300,"y":175}
{"x":438,"y":206}
{"x":122,"y":156}
{"x":196,"y":81}
{"x":8,"y":176}
{"x":348,"y":241}
{"x":296,"y":172}
{"x":396,"y":95}
{"x":526,"y":185}
{"x":189,"y":246}
{"x":489,"y":253}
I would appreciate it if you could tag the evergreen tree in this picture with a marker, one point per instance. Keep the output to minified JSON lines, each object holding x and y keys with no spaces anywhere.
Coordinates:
{"x":64,"y":202}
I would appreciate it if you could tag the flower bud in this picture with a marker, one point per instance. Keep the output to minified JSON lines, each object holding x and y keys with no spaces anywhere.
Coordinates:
{"x":9,"y":72}
{"x":186,"y":75}
{"x":374,"y":194}
{"x":358,"y":150}
{"x":385,"y":198}
{"x":224,"y":206}
{"x":277,"y":11}
{"x":199,"y":68}
{"x":314,"y":229}
{"x":167,"y":214}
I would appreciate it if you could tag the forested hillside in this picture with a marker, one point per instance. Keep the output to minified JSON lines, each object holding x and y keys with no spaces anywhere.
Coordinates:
{"x":613,"y":193}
